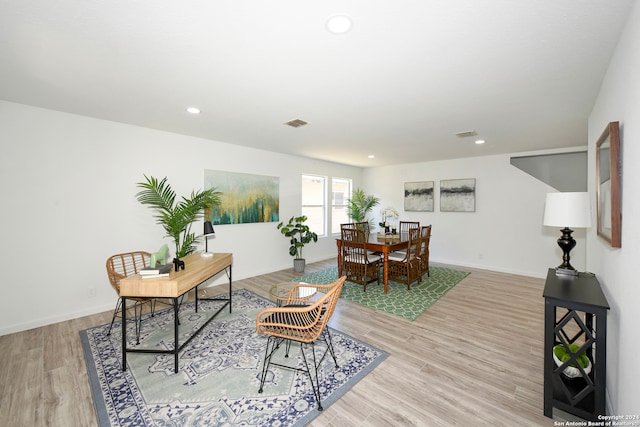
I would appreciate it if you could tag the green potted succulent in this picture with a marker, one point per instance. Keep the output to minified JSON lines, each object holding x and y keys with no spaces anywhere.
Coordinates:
{"x":176,"y":218}
{"x":299,"y":235}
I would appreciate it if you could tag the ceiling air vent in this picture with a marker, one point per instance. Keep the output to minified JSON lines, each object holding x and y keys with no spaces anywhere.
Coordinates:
{"x":466,"y":134}
{"x":296,"y":123}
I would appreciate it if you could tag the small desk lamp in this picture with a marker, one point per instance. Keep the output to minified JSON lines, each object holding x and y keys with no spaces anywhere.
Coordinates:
{"x":567,"y":210}
{"x":208,"y":232}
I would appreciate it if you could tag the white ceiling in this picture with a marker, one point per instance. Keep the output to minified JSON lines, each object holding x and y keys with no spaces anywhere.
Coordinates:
{"x":407,"y":77}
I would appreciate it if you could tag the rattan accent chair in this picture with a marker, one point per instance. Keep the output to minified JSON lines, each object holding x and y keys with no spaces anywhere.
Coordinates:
{"x":405,"y":267}
{"x":424,"y":250}
{"x":359,"y":265}
{"x":120,"y":266}
{"x":304,"y":322}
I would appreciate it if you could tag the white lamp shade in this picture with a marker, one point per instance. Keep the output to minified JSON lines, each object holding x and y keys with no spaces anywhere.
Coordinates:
{"x":567,"y":210}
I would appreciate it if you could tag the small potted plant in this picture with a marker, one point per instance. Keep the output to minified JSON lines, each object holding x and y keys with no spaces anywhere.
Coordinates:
{"x":299,"y":234}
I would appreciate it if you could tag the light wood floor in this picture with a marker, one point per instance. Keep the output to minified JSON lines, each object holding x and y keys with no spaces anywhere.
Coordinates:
{"x":474,"y":358}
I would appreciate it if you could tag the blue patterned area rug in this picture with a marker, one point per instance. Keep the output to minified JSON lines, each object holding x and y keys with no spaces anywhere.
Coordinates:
{"x":219,"y":370}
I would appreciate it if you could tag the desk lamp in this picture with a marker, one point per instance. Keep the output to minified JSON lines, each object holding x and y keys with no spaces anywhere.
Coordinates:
{"x":208,"y":232}
{"x":567,"y":210}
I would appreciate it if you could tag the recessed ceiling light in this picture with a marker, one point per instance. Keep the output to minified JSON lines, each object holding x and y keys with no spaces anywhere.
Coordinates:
{"x":193,"y":110}
{"x":339,"y":24}
{"x":480,"y":141}
{"x":371,"y":156}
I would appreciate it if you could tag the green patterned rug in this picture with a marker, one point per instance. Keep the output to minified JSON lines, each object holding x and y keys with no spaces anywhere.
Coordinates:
{"x":398,"y":301}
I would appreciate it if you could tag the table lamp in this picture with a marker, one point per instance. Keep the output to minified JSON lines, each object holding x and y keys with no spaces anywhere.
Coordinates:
{"x":208,"y":232}
{"x":567,"y":210}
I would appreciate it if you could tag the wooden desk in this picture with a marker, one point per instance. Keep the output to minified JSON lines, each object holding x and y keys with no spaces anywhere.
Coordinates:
{"x":382,"y":245}
{"x":197,"y":270}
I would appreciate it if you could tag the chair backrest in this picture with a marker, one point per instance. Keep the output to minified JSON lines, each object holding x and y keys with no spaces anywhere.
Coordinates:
{"x":120,"y":266}
{"x":364,"y":226}
{"x":415,"y":243}
{"x":426,"y":236}
{"x":354,"y":235}
{"x":354,"y":251}
{"x":405,"y":226}
{"x":303,"y":324}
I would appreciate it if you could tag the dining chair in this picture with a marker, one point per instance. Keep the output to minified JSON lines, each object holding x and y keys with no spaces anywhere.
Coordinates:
{"x":424,"y":250}
{"x":358,"y":264}
{"x":405,"y":267}
{"x":405,"y":226}
{"x":304,"y":324}
{"x":364,"y":226}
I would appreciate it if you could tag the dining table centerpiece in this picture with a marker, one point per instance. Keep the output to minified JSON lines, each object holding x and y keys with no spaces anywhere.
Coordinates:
{"x":388,"y":213}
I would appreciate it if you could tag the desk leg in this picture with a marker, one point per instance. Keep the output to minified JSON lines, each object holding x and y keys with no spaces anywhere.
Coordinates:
{"x":123,"y":305}
{"x":175,"y":334}
{"x":229,"y":288}
{"x":385,"y":270}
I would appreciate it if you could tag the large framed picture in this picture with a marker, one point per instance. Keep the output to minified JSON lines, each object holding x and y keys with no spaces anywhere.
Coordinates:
{"x":608,"y":185}
{"x":458,"y":195}
{"x":418,"y":196}
{"x":245,"y":197}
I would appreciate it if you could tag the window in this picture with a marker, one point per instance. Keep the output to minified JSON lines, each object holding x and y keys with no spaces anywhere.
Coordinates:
{"x":341,"y":190}
{"x":314,"y":202}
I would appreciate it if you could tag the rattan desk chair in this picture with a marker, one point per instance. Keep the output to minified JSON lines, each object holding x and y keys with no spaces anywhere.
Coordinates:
{"x":120,"y":266}
{"x":304,"y":324}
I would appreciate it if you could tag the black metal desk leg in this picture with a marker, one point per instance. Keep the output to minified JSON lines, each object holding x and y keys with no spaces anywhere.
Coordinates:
{"x":175,"y":333}
{"x":123,"y":309}
{"x":230,"y":289}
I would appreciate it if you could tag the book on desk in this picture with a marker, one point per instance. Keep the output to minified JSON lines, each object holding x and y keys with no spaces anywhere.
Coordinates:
{"x":156,"y":271}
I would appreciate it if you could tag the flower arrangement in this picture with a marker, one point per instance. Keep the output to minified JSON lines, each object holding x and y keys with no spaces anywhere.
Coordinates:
{"x":388,"y":213}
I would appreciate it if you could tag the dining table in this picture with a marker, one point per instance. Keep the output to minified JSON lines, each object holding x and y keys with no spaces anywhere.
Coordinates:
{"x":381,"y":243}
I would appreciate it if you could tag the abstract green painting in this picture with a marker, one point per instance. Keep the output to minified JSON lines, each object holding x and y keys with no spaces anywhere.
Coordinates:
{"x":245,"y":197}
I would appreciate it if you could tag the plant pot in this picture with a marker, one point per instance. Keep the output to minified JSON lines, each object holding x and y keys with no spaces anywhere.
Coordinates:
{"x":298,"y":265}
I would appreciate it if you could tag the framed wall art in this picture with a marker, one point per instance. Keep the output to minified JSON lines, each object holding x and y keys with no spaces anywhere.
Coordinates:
{"x":458,"y":195}
{"x":245,"y":197}
{"x":418,"y":196}
{"x":608,"y":194}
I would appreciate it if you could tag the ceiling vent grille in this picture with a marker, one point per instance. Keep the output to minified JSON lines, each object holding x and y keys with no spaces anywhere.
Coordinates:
{"x":296,"y":123}
{"x":466,"y":134}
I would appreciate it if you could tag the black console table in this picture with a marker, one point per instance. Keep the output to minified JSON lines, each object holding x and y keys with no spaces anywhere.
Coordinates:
{"x":575,"y":312}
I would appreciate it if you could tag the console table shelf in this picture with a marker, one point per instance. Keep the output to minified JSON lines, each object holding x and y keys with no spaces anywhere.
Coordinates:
{"x":575,"y":312}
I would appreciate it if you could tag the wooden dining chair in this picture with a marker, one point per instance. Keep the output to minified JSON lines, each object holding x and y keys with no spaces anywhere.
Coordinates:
{"x":405,"y":226}
{"x":305,"y":324}
{"x":405,"y":267}
{"x":358,"y":264}
{"x":424,"y":250}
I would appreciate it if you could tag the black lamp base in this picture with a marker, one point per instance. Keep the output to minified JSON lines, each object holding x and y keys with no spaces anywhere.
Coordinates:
{"x":566,"y":243}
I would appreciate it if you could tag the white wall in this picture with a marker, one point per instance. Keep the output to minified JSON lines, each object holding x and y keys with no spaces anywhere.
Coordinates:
{"x":67,"y":184}
{"x":505,"y":233}
{"x":619,"y":100}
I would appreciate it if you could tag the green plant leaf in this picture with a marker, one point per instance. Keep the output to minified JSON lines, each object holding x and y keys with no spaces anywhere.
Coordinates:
{"x":176,"y":219}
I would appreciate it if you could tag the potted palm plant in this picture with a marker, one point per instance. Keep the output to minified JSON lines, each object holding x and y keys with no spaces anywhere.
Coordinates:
{"x":176,"y":217}
{"x":360,"y":204}
{"x":299,"y":235}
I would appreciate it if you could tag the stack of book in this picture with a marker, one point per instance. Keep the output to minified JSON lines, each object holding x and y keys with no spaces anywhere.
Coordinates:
{"x":156,"y":272}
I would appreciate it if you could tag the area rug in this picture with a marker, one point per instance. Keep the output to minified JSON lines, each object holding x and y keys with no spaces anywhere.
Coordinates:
{"x":219,"y":370}
{"x":398,"y":301}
